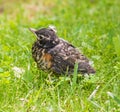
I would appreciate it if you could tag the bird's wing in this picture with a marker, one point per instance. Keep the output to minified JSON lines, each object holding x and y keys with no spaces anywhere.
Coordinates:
{"x":74,"y":53}
{"x":82,"y":61}
{"x":65,"y":56}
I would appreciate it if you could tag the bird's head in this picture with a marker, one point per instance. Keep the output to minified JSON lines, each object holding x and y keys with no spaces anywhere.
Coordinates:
{"x":46,"y":37}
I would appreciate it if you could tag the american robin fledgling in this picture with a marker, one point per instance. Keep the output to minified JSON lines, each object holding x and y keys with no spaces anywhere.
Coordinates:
{"x":57,"y":55}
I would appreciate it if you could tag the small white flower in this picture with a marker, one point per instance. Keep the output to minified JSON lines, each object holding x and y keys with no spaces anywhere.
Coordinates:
{"x":18,"y":71}
{"x":50,"y":108}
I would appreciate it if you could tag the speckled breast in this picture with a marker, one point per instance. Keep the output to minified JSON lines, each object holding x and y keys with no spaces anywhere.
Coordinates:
{"x":42,"y":58}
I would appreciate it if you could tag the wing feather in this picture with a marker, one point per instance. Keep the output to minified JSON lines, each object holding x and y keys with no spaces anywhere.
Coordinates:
{"x":65,"y":56}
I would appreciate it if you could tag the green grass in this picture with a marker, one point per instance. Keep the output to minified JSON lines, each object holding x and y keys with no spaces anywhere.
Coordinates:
{"x":93,"y":26}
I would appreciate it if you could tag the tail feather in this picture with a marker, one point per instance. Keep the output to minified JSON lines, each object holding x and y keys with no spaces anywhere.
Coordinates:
{"x":85,"y":68}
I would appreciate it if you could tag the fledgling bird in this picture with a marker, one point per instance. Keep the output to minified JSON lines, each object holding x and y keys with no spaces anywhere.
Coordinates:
{"x":52,"y":53}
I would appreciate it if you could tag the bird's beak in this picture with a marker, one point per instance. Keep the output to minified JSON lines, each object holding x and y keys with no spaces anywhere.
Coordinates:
{"x":32,"y":30}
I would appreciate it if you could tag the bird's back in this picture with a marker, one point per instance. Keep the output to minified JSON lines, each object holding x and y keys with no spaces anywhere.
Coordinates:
{"x":65,"y":56}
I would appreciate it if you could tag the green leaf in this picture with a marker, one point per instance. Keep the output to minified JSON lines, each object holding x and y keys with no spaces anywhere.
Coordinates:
{"x":116,"y":41}
{"x":75,"y":74}
{"x":114,"y":97}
